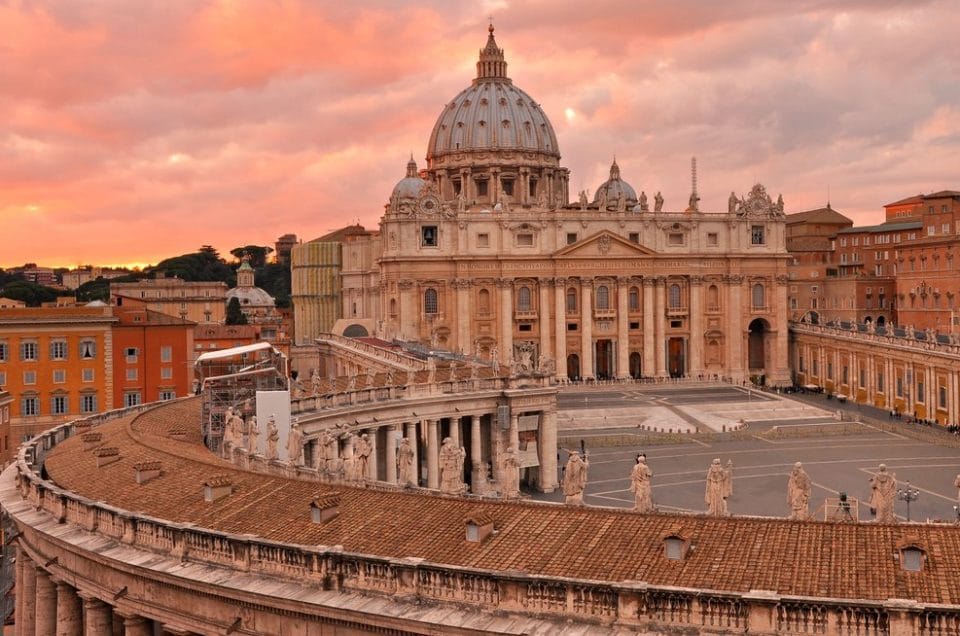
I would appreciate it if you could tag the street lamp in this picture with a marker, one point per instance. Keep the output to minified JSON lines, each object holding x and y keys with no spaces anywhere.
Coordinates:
{"x":908,"y":494}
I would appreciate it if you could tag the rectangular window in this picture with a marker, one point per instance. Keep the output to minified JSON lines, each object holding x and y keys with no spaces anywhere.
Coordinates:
{"x":166,"y":373}
{"x":880,"y":381}
{"x":863,"y":378}
{"x":945,"y":228}
{"x":713,"y":239}
{"x":3,"y":352}
{"x":634,"y":325}
{"x":675,"y":238}
{"x":428,"y":236}
{"x":899,"y":387}
{"x":816,"y":367}
{"x":58,"y":350}
{"x":131,"y":354}
{"x":942,"y":397}
{"x":634,"y":237}
{"x":571,"y":326}
{"x":28,"y":351}
{"x":571,"y":238}
{"x":59,"y":376}
{"x":481,"y":187}
{"x":58,"y":405}
{"x":88,"y":403}
{"x":132,"y":374}
{"x":88,"y":349}
{"x":29,"y":377}
{"x":3,"y":378}
{"x":29,"y":406}
{"x":131,"y":398}
{"x":87,"y":375}
{"x":168,"y":394}
{"x":166,"y":354}
{"x":919,"y":397}
{"x":756,"y":235}
{"x":483,"y":240}
{"x":525,"y":240}
{"x":845,"y":375}
{"x":829,"y":370}
{"x":507,"y":185}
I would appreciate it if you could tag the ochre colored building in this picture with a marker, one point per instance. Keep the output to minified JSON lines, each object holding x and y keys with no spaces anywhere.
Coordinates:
{"x":200,"y":302}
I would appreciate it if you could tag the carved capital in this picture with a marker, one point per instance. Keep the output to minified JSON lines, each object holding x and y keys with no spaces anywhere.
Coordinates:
{"x":462,"y":283}
{"x":735,"y":279}
{"x":696,"y":279}
{"x":504,"y":283}
{"x":782,"y":279}
{"x":586,"y":283}
{"x":560,"y":281}
{"x":660,"y":281}
{"x":623,"y":280}
{"x":546,"y":281}
{"x":647,"y":281}
{"x":405,"y":285}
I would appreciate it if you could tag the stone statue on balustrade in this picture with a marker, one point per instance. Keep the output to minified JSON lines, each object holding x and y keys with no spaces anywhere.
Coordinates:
{"x":641,"y":487}
{"x":718,"y":489}
{"x":644,"y":206}
{"x":391,"y":378}
{"x":362,"y":449}
{"x":509,"y":474}
{"x":326,"y":451}
{"x":883,"y":487}
{"x":431,"y":370}
{"x":331,"y":384}
{"x":729,"y":469}
{"x":474,"y":370}
{"x":315,"y":382}
{"x":452,"y":376}
{"x":495,"y":360}
{"x":273,"y":438}
{"x":406,"y":469}
{"x":622,"y":202}
{"x":294,"y":445}
{"x":352,"y":382}
{"x":349,"y":461}
{"x":583,"y":201}
{"x":451,"y":467}
{"x":658,"y":202}
{"x":226,"y":440}
{"x":798,"y":493}
{"x":575,"y":479}
{"x":371,"y":377}
{"x":253,"y":435}
{"x":732,"y":203}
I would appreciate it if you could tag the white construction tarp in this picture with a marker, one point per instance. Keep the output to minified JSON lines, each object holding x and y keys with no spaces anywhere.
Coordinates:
{"x":233,"y":351}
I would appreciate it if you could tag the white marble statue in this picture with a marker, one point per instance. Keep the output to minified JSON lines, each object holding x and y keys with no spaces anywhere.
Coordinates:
{"x":658,"y":202}
{"x":405,"y":468}
{"x":644,"y":207}
{"x":431,"y":370}
{"x":361,"y":450}
{"x":509,"y":474}
{"x":798,"y":493}
{"x":641,"y":487}
{"x":273,"y":437}
{"x":294,"y":445}
{"x":451,"y":467}
{"x":253,"y":435}
{"x":883,"y":487}
{"x":717,"y":489}
{"x":575,"y":479}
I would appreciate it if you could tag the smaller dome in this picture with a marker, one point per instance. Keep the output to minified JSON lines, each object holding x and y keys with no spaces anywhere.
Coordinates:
{"x":411,"y":185}
{"x":251,"y":297}
{"x":612,"y":189}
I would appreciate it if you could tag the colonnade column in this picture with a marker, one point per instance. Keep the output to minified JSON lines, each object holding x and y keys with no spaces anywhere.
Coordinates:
{"x":462,"y":285}
{"x":391,"y":452}
{"x":648,"y":335}
{"x":586,"y":329}
{"x":26,"y":596}
{"x":45,"y":623}
{"x":623,"y":333}
{"x":455,"y":431}
{"x":781,"y":366}
{"x":696,"y":325}
{"x":560,"y":323}
{"x":433,"y":455}
{"x":735,"y":328}
{"x":514,"y":431}
{"x":69,"y":611}
{"x":548,"y":450}
{"x":97,"y":618}
{"x":505,"y":285}
{"x":476,"y":453}
{"x":409,"y":320}
{"x":134,"y":625}
{"x":544,"y":320}
{"x":412,"y":436}
{"x":660,"y":326}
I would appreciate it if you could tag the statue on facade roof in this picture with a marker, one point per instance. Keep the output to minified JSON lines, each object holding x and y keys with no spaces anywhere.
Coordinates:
{"x":583,"y":200}
{"x":451,"y":467}
{"x":640,"y":485}
{"x":658,"y":202}
{"x":575,"y":479}
{"x":732,"y":203}
{"x":509,"y":474}
{"x":294,"y":444}
{"x":717,"y":490}
{"x":405,"y":467}
{"x":273,"y":437}
{"x":253,"y":435}
{"x":798,"y":493}
{"x":883,"y":487}
{"x":643,"y":202}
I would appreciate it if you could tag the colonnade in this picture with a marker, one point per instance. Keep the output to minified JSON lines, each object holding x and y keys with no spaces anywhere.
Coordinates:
{"x":48,"y":605}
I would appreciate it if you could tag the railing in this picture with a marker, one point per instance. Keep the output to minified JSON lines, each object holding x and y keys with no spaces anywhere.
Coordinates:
{"x":401,"y":360}
{"x":885,"y":339}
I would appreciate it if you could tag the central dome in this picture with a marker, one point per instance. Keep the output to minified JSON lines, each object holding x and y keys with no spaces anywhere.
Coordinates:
{"x":492,"y":114}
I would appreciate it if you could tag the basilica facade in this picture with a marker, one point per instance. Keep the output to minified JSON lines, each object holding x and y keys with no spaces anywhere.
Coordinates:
{"x":484,"y":252}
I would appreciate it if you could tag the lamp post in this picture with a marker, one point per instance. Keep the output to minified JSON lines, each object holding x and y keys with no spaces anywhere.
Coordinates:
{"x":908,"y":494}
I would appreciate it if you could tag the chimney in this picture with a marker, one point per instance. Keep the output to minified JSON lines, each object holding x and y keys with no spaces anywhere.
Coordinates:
{"x":217,"y":487}
{"x":325,"y":507}
{"x":479,"y":526}
{"x":147,"y":471}
{"x":91,"y":440}
{"x":106,"y":455}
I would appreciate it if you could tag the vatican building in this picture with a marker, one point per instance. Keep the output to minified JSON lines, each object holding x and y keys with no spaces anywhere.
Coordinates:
{"x":485,"y":253}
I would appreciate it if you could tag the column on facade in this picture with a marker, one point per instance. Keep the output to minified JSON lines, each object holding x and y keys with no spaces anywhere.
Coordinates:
{"x":781,"y":365}
{"x":409,"y":316}
{"x":514,"y":433}
{"x":45,"y":623}
{"x":433,"y":455}
{"x":69,"y":611}
{"x":97,"y":618}
{"x":523,"y":196}
{"x":734,"y":328}
{"x":696,"y":325}
{"x":464,"y":314}
{"x":931,"y":387}
{"x":477,"y":471}
{"x":466,"y":185}
{"x":648,"y":322}
{"x":543,"y":321}
{"x":660,"y":326}
{"x":134,"y":625}
{"x":494,"y":188}
{"x":454,"y":431}
{"x":505,"y":285}
{"x":26,"y":595}
{"x":560,"y":325}
{"x":586,"y":328}
{"x":548,"y":450}
{"x":623,"y":333}
{"x":393,"y":431}
{"x":412,"y":436}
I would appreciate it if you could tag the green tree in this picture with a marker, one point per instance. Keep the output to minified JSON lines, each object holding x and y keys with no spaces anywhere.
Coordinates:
{"x":30,"y":293}
{"x":203,"y":265}
{"x":234,"y":314}
{"x":99,"y":288}
{"x":257,"y":253}
{"x":8,"y":277}
{"x":274,"y":279}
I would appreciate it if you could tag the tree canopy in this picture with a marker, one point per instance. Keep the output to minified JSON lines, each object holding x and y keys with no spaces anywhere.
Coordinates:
{"x":30,"y":293}
{"x":257,"y":253}
{"x":234,"y":313}
{"x":203,"y":265}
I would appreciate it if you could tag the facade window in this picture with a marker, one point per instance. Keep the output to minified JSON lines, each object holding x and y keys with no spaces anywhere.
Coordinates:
{"x":675,"y":238}
{"x":88,"y":375}
{"x":571,"y":300}
{"x":393,"y":308}
{"x":131,"y":398}
{"x":603,"y":297}
{"x":59,"y":405}
{"x":3,"y":378}
{"x":880,"y":381}
{"x":481,"y":187}
{"x":168,"y":394}
{"x":674,"y":296}
{"x":634,"y":237}
{"x":759,"y":297}
{"x":132,"y":374}
{"x":29,"y":377}
{"x":899,"y":387}
{"x":88,"y":403}
{"x":29,"y":406}
{"x":131,"y":354}
{"x":713,"y":298}
{"x":28,"y":351}
{"x":88,"y":349}
{"x":633,"y":299}
{"x":430,"y":301}
{"x":525,"y":239}
{"x":523,"y":299}
{"x":942,"y":397}
{"x":863,"y":378}
{"x":757,"y":235}
{"x":713,"y":239}
{"x":829,"y":370}
{"x":483,"y":298}
{"x":58,"y":350}
{"x":166,"y":354}
{"x":507,"y":185}
{"x":4,"y":352}
{"x":166,"y":373}
{"x":483,"y":240}
{"x":571,"y":238}
{"x":919,"y":397}
{"x":59,"y":376}
{"x":428,"y":236}
{"x":816,"y":367}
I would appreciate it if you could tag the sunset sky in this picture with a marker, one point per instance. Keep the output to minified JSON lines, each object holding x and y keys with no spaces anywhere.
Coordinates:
{"x":133,"y":130}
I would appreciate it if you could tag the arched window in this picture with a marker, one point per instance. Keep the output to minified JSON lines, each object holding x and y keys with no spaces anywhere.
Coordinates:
{"x":603,"y":297}
{"x":483,"y":299}
{"x":713,"y":298}
{"x":393,"y":306}
{"x":523,"y":299}
{"x":430,"y":302}
{"x":674,"y":299}
{"x":759,"y":297}
{"x":634,"y":299}
{"x":571,"y":300}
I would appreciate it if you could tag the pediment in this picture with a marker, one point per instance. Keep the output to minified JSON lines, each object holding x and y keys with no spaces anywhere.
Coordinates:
{"x":604,"y":244}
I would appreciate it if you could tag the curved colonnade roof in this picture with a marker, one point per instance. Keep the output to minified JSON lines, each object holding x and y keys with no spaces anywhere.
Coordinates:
{"x":815,"y":559}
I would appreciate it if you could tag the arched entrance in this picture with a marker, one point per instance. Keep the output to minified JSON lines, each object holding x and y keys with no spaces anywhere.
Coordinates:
{"x":635,"y":368}
{"x":756,"y":346}
{"x":573,"y":367}
{"x":356,"y":331}
{"x":881,"y":321}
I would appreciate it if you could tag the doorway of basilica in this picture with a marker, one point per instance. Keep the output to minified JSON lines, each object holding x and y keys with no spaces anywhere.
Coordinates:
{"x":676,"y":364}
{"x":635,"y":365}
{"x":604,"y":358}
{"x":573,"y":367}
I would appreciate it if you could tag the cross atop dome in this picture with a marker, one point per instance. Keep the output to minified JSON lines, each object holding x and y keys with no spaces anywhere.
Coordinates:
{"x":492,"y":63}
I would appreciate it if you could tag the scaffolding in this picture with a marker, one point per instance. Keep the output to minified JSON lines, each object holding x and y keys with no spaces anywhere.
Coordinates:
{"x":230,"y":379}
